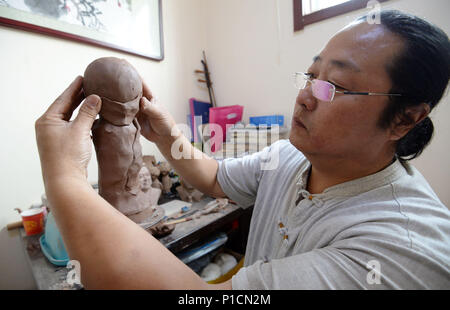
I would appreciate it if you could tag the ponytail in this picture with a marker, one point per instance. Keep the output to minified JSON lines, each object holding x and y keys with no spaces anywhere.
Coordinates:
{"x":413,"y":143}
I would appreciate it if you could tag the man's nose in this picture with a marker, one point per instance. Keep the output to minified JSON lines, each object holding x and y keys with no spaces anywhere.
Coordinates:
{"x":306,"y":99}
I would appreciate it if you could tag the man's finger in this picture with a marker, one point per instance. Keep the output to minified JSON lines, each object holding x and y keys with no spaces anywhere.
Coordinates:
{"x":146,"y":92}
{"x":68,"y":100}
{"x":146,"y":107}
{"x":75,"y":103}
{"x":88,"y":112}
{"x":146,"y":111}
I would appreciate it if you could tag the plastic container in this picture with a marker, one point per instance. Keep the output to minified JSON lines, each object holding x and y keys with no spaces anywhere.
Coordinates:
{"x":224,"y":117}
{"x":33,"y":221}
{"x":52,"y":244}
{"x":267,"y":120}
{"x":227,"y":276}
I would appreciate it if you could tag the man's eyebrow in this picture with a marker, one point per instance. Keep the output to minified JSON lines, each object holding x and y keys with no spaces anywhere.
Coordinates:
{"x":342,"y":64}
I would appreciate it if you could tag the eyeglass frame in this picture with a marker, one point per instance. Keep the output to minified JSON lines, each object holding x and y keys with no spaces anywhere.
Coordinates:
{"x":307,"y":77}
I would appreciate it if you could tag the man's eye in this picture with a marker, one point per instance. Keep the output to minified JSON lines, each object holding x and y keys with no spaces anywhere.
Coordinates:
{"x":337,"y":86}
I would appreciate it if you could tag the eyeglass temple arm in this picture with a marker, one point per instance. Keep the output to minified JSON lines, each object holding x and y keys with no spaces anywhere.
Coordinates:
{"x":365,"y":93}
{"x":307,"y":77}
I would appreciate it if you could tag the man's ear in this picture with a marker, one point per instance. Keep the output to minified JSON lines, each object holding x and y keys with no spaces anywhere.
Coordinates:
{"x":402,"y":124}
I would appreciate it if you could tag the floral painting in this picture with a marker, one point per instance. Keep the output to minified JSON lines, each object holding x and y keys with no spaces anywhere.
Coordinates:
{"x":133,"y":26}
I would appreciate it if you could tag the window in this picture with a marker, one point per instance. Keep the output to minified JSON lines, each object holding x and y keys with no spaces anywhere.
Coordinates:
{"x":310,"y":6}
{"x":311,"y":11}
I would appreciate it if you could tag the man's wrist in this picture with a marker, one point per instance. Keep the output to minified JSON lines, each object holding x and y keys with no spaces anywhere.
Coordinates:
{"x":58,"y":187}
{"x":61,"y":174}
{"x":64,"y":181}
{"x":165,"y":144}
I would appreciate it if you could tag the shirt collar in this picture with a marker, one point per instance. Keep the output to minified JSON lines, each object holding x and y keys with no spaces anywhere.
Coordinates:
{"x":361,"y":185}
{"x":357,"y":186}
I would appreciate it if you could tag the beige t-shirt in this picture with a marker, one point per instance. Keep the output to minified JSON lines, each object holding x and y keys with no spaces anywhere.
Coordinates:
{"x":384,"y":231}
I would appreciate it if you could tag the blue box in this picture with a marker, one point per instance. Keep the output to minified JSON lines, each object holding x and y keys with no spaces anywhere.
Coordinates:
{"x":267,"y":120}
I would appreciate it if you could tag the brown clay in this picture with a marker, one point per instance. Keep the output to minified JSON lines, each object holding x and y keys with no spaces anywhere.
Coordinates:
{"x":149,"y":161}
{"x":152,"y":194}
{"x":116,"y":134}
{"x":154,"y":171}
{"x":119,"y":86}
{"x":164,"y":168}
{"x":161,"y":230}
{"x":187,"y":192}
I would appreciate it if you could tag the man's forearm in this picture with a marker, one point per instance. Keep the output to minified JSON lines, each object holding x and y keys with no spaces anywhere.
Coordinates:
{"x":113,"y":251}
{"x":192,"y":164}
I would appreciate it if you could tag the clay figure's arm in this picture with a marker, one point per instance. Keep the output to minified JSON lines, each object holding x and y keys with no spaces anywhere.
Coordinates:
{"x":113,"y":252}
{"x":197,"y":168}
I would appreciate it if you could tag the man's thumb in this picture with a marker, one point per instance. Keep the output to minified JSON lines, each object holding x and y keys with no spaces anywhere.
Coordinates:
{"x":148,"y":108}
{"x":88,"y":112}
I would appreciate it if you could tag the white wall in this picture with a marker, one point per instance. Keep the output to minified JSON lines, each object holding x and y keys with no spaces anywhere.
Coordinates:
{"x":35,"y":69}
{"x":254,"y":51}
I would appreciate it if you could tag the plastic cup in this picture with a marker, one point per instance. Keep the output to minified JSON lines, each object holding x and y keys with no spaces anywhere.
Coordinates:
{"x":33,"y":221}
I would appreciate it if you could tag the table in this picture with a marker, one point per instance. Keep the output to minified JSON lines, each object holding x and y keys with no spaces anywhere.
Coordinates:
{"x":187,"y":233}
{"x":50,"y":277}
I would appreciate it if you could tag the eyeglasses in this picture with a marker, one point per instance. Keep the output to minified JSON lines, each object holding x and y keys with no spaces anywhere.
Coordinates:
{"x":324,"y":90}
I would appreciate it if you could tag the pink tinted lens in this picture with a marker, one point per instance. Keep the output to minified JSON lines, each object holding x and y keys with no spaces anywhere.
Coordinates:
{"x":322,"y":90}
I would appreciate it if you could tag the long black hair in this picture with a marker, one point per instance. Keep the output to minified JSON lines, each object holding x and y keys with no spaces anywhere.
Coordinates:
{"x":420,"y":72}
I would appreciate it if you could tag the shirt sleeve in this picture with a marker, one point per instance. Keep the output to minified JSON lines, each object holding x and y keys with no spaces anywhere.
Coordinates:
{"x":239,"y":177}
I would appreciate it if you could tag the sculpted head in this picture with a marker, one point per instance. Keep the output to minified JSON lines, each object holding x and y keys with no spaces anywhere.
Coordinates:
{"x":119,"y":86}
{"x":145,"y":178}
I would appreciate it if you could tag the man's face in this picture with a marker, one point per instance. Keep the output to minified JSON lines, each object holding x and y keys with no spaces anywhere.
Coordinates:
{"x":355,"y":59}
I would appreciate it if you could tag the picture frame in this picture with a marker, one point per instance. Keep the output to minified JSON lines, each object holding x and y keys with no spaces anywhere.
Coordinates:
{"x":130,"y":26}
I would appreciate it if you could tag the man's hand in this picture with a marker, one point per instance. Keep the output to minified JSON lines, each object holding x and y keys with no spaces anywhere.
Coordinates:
{"x":65,"y":146}
{"x":133,"y":260}
{"x":156,"y":123}
{"x":158,"y":126}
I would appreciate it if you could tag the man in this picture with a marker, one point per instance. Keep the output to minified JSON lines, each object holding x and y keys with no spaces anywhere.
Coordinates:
{"x":343,"y":209}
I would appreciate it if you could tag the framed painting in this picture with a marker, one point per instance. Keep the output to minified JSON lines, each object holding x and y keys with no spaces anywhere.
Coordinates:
{"x":131,"y":26}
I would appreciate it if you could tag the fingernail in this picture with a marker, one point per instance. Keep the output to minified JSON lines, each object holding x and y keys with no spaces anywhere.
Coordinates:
{"x":92,"y":101}
{"x":145,"y":102}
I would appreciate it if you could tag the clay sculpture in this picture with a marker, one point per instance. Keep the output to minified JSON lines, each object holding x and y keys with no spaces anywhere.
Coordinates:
{"x":164,"y":168}
{"x":116,"y":134}
{"x":152,"y":193}
{"x":187,"y":192}
{"x":150,"y":162}
{"x":156,"y":183}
